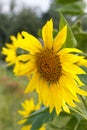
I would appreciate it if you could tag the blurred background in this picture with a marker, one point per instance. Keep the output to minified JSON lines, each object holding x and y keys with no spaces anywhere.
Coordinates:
{"x":30,"y":16}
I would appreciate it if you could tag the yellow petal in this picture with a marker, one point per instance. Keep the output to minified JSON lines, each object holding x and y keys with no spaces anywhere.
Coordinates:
{"x":73,"y":86}
{"x":47,"y":34}
{"x":76,"y":78}
{"x":66,"y":95}
{"x":70,"y":58}
{"x":60,"y":38}
{"x":72,"y":68}
{"x":23,"y":113}
{"x":45,"y":94}
{"x":80,"y":91}
{"x":43,"y":91}
{"x":65,"y":107}
{"x":29,"y":43}
{"x":32,"y":84}
{"x":82,"y":62}
{"x":13,"y":38}
{"x":22,"y":121}
{"x":68,"y":86}
{"x":42,"y":127}
{"x":26,"y":127}
{"x":24,"y":68}
{"x":56,"y":95}
{"x":68,"y":50}
{"x":25,"y":57}
{"x":19,"y":36}
{"x":28,"y":106}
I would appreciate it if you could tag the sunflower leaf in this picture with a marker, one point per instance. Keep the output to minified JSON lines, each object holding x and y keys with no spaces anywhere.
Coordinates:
{"x":82,"y":40}
{"x":70,"y":125}
{"x":82,"y":125}
{"x":74,"y":8}
{"x":38,"y":118}
{"x":70,"y":40}
{"x":83,"y":77}
{"x":66,"y":1}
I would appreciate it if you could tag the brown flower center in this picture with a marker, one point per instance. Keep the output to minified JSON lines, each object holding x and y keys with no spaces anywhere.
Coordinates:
{"x":48,"y":65}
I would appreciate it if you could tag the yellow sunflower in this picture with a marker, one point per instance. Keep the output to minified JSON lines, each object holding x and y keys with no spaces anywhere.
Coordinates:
{"x":11,"y":50}
{"x":28,"y":107}
{"x":54,"y":70}
{"x":28,"y":127}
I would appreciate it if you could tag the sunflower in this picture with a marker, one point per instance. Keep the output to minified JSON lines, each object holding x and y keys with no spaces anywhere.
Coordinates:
{"x":29,"y":107}
{"x":11,"y":50}
{"x":53,"y":70}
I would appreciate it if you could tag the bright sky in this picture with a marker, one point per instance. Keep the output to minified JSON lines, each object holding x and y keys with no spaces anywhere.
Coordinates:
{"x":42,"y":4}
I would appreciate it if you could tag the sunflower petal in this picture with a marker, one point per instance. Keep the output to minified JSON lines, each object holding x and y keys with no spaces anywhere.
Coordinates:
{"x":56,"y":97}
{"x":70,"y":58}
{"x":72,"y":68}
{"x":60,"y":39}
{"x":29,"y":43}
{"x":65,"y":107}
{"x":47,"y":35}
{"x":24,"y":57}
{"x":32,"y":84}
{"x":24,"y":68}
{"x":68,"y":50}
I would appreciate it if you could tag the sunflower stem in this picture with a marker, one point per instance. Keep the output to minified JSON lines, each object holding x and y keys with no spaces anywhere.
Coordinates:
{"x":85,"y":105}
{"x":80,"y":113}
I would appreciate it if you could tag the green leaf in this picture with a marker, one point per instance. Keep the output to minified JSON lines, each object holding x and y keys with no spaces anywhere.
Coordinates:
{"x":74,"y":8}
{"x":63,"y":121}
{"x":72,"y":123}
{"x":55,"y":32}
{"x":38,"y":118}
{"x":82,"y":40}
{"x":66,"y":1}
{"x":82,"y":125}
{"x":70,"y":41}
{"x":83,"y":78}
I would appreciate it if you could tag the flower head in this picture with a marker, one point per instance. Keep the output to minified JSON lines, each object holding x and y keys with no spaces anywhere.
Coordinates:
{"x":11,"y":50}
{"x":54,"y":70}
{"x":28,"y":107}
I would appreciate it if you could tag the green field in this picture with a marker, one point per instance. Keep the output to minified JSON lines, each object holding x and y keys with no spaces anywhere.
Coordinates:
{"x":11,"y":96}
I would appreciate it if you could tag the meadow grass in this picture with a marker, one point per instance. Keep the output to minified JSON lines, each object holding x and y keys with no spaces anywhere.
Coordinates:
{"x":11,"y":96}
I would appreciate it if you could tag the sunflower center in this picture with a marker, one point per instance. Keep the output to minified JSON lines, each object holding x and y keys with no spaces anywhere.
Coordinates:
{"x":48,"y":65}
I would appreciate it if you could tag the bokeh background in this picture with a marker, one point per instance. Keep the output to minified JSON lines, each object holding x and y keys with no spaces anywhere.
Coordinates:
{"x":30,"y":16}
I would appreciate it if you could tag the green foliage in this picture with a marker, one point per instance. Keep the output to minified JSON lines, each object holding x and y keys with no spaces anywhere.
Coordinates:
{"x":67,"y":1}
{"x":26,"y":20}
{"x":64,"y":121}
{"x":82,"y":40}
{"x":70,"y":41}
{"x":11,"y":95}
{"x":73,"y":8}
{"x":38,"y":118}
{"x":82,"y":125}
{"x":11,"y":24}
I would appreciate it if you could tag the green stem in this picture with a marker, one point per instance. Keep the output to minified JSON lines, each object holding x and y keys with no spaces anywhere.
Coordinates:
{"x":80,"y":113}
{"x":85,"y":105}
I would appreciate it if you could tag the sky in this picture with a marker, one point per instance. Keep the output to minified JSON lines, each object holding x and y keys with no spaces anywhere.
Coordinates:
{"x":42,"y":4}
